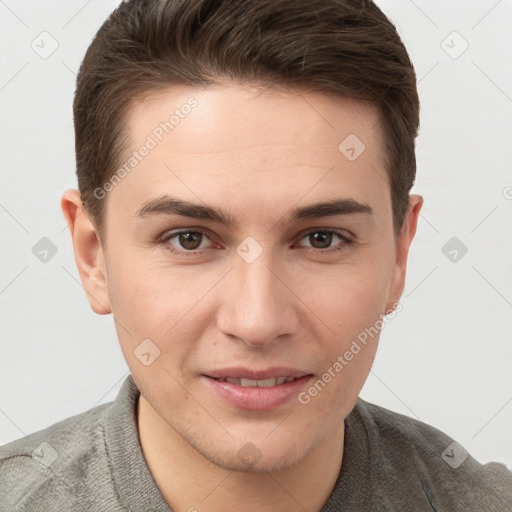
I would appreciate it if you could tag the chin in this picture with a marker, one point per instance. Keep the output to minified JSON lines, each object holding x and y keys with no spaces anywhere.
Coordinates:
{"x":264,"y":464}
{"x":260,"y":456}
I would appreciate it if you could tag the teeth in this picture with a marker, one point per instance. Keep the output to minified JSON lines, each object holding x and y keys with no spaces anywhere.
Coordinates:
{"x":248,"y":383}
{"x":268,"y":383}
{"x":263,"y":383}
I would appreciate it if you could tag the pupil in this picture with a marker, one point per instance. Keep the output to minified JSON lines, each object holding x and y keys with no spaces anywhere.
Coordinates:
{"x":190,"y":240}
{"x":320,"y":239}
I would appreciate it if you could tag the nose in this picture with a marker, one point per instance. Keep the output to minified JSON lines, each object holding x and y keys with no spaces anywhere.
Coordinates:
{"x":257,"y":305}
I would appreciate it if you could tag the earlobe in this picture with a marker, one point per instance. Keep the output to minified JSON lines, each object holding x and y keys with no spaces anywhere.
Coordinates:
{"x":403,"y":244}
{"x":88,"y":251}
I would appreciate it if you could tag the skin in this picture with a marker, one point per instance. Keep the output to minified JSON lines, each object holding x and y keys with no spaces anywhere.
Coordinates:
{"x":256,"y":155}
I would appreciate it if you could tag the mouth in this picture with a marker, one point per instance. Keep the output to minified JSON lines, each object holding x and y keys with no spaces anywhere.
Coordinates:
{"x":256,"y":390}
{"x":252,"y":383}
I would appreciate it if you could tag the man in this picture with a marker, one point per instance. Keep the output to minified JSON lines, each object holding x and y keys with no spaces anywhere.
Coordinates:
{"x":244,"y":212}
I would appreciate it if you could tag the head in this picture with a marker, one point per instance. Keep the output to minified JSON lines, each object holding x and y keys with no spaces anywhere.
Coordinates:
{"x":244,"y":173}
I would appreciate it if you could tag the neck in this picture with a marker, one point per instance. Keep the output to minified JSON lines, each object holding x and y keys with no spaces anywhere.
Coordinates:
{"x":176,"y":466}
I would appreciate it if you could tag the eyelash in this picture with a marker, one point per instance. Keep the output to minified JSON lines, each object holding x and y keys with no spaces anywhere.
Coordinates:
{"x":164,"y":239}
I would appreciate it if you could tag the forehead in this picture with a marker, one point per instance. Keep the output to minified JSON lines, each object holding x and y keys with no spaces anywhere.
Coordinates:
{"x":281,"y":145}
{"x":234,"y":111}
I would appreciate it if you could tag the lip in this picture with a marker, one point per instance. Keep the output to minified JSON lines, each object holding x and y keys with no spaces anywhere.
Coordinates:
{"x":255,"y":398}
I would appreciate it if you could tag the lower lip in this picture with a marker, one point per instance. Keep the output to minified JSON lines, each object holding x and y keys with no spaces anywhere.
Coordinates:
{"x":254,"y":398}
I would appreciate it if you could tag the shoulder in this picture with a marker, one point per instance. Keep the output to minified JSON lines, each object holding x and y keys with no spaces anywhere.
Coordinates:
{"x":450,"y":477}
{"x":51,"y":469}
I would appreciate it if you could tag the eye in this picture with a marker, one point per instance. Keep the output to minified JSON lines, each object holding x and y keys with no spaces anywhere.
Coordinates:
{"x":190,"y":242}
{"x":321,"y":240}
{"x":185,"y":240}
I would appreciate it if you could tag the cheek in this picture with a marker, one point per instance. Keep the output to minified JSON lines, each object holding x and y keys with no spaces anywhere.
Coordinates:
{"x":146,"y":290}
{"x":167,"y":306}
{"x":348,"y":298}
{"x":351,"y":307}
{"x":350,"y":302}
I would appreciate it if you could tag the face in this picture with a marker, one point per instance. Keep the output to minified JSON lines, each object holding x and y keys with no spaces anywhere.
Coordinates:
{"x":246,"y":245}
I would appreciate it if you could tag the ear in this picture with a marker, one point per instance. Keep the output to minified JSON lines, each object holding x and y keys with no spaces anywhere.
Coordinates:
{"x":403,"y":243}
{"x":88,"y":252}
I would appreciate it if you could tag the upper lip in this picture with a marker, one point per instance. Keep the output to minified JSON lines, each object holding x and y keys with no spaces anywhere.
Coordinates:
{"x":248,"y":373}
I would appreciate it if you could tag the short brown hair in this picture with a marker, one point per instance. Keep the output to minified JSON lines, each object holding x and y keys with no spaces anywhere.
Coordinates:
{"x":345,"y":47}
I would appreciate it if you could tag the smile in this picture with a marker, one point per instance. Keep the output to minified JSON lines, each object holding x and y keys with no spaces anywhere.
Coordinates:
{"x":262,"y":394}
{"x":251,"y":383}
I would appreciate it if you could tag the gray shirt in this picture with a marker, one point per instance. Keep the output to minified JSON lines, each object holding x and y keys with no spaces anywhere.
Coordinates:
{"x":94,"y":462}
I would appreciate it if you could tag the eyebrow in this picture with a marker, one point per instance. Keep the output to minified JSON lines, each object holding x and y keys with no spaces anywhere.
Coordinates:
{"x":167,"y":205}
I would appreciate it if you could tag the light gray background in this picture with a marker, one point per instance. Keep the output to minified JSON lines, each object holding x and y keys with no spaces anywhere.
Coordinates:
{"x":445,"y":359}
